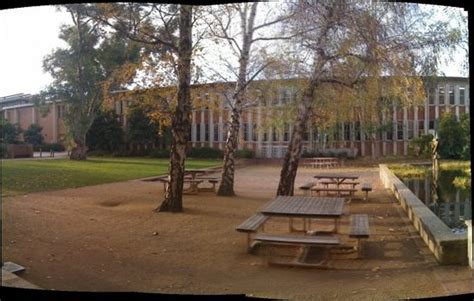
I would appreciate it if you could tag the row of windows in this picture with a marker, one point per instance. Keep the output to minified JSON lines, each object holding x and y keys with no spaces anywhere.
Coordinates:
{"x":450,"y":99}
{"x":342,"y":132}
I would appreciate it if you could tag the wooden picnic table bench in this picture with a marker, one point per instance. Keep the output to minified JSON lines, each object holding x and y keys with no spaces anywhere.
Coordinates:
{"x":193,"y":184}
{"x":359,"y":228}
{"x":339,"y":191}
{"x":211,"y":180}
{"x":366,"y":187}
{"x":252,"y":225}
{"x":326,"y":183}
{"x":306,"y":187}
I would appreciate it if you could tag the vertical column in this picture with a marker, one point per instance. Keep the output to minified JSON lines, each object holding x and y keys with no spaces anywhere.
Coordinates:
{"x":211,"y":127}
{"x":467,"y":99}
{"x":259,"y":131}
{"x":250,"y":127}
{"x":55,"y":123}
{"x":394,"y":134}
{"x":436,"y":103}
{"x":384,"y":136}
{"x":415,"y":122}
{"x":221,"y":124}
{"x":270,"y":143}
{"x":193,"y":128}
{"x":201,"y":128}
{"x":427,"y":114}
{"x":362,"y":142}
{"x":405,"y":131}
{"x":33,"y":115}
{"x":456,"y":101}
{"x":125,"y":110}
{"x":311,"y":141}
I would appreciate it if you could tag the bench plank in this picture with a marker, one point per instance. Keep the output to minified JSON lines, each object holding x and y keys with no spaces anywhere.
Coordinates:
{"x":252,"y":223}
{"x":298,"y":239}
{"x":359,"y":226}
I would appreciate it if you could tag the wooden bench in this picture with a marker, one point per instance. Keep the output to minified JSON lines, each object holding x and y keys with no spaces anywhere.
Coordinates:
{"x":252,"y":225}
{"x":338,"y":191}
{"x":366,"y":187}
{"x":327,"y":183}
{"x":359,"y":228}
{"x":327,"y":241}
{"x":306,"y":187}
{"x":211,"y":180}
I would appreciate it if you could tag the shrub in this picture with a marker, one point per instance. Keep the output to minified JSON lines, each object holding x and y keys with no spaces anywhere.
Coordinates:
{"x":244,"y":154}
{"x":33,"y":135}
{"x":451,"y":137}
{"x":47,"y":147}
{"x":159,"y":153}
{"x":106,"y":133}
{"x":205,"y":152}
{"x":421,"y":146}
{"x":9,"y":131}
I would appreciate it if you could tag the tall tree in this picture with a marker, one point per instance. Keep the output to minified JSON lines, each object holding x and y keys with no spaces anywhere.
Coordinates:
{"x":222,"y":27}
{"x":82,"y":71}
{"x":378,"y":48}
{"x":166,"y":32}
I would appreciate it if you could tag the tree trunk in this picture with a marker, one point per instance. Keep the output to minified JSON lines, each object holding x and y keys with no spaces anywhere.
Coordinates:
{"x":79,"y":151}
{"x":226,"y":187}
{"x":292,"y":156}
{"x":181,"y":120}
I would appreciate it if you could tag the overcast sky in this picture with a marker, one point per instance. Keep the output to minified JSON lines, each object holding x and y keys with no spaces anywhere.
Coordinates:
{"x":28,"y":34}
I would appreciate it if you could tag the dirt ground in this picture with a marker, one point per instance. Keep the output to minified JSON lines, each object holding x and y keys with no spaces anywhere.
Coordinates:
{"x":107,"y":238}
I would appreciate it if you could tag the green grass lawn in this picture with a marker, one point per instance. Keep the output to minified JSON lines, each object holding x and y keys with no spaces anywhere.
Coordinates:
{"x":24,"y":176}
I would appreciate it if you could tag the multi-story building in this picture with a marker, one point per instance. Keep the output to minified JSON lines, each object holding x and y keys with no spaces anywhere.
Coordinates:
{"x":451,"y":94}
{"x":20,"y":109}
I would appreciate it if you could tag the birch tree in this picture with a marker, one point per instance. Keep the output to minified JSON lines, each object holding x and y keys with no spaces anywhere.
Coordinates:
{"x":376,"y":47}
{"x":240,"y":43}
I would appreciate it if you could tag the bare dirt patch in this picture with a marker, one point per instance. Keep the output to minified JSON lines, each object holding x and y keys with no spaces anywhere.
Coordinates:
{"x":108,"y":238}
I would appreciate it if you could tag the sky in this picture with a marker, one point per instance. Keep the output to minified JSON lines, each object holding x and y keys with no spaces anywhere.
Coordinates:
{"x":28,"y":34}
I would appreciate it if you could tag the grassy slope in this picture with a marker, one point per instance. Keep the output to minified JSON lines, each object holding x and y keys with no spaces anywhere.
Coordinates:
{"x":24,"y":176}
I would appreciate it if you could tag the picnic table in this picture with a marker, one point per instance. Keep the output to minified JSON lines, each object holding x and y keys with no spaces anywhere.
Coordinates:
{"x":306,"y":208}
{"x":321,"y":162}
{"x":337,"y":179}
{"x":195,"y":172}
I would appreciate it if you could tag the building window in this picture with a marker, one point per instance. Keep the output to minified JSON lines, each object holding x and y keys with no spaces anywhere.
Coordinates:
{"x":389,"y":134}
{"x":206,"y":132}
{"x":265,"y":135}
{"x":451,"y":95}
{"x":462,"y":93}
{"x":254,"y":132}
{"x":216,"y":132}
{"x":315,"y":135}
{"x":431,"y":125}
{"x":400,"y":130}
{"x":285,"y":97}
{"x":421,"y":127}
{"x":431,"y":96}
{"x":410,"y":131}
{"x":274,"y":134}
{"x":441,"y":95}
{"x":245,"y":131}
{"x":60,"y":109}
{"x":357,"y":131}
{"x":305,"y":134}
{"x":198,"y":132}
{"x":286,"y":133}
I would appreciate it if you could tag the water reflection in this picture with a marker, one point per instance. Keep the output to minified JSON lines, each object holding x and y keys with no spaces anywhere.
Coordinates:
{"x":451,"y":204}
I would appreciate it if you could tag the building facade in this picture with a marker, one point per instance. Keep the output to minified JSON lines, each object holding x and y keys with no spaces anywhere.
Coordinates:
{"x":208,"y":129}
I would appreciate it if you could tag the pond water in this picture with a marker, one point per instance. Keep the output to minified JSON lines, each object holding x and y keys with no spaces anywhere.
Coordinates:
{"x":450,"y":203}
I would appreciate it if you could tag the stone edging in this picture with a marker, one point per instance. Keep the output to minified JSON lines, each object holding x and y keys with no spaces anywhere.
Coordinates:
{"x":448,"y":248}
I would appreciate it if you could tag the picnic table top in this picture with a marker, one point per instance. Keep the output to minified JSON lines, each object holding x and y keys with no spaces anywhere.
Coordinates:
{"x":301,"y":206}
{"x":336,"y":176}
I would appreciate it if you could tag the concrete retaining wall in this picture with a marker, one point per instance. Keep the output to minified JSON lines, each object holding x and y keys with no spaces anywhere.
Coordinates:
{"x":448,"y":248}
